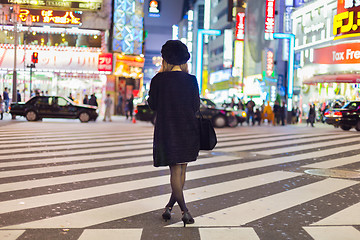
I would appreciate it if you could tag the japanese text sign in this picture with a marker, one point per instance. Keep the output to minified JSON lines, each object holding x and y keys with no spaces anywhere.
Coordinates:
{"x":347,"y":21}
{"x":105,"y":62}
{"x":269,"y":19}
{"x":240,"y":26}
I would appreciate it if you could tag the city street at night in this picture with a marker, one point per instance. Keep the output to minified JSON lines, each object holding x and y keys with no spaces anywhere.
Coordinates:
{"x":62,"y":179}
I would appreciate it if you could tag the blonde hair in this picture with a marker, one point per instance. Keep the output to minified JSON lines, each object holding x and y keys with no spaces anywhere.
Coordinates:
{"x":167,"y":67}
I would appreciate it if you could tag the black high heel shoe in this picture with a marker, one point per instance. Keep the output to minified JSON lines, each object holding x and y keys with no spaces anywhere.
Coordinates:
{"x":167,"y":213}
{"x":187,"y":218}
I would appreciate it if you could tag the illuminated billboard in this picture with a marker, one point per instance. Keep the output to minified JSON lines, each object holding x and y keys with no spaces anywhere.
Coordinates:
{"x":347,"y":21}
{"x":128,"y":26}
{"x":154,"y":8}
{"x":50,"y":16}
{"x":67,"y":4}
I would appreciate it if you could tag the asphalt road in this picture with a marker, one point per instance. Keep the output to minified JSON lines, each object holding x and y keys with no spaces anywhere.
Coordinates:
{"x":62,"y":179}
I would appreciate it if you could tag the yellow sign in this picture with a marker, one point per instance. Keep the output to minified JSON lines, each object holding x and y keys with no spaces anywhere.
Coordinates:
{"x":50,"y":16}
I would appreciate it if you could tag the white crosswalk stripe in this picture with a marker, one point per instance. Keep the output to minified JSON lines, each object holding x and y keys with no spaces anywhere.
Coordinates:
{"x":80,"y":168}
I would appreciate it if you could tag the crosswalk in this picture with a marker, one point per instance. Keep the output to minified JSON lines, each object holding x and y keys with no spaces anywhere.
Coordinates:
{"x":65,"y":180}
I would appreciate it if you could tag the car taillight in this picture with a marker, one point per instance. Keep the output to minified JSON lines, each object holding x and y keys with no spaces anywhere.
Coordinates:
{"x":327,"y":114}
{"x":337,"y":114}
{"x":136,"y":111}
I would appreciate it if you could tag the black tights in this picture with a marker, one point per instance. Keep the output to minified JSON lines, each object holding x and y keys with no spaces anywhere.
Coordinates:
{"x":177,"y":181}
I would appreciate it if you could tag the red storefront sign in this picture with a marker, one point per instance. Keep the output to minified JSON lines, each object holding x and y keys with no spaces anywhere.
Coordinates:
{"x":269,"y":19}
{"x":347,"y":21}
{"x":105,"y":62}
{"x":339,"y":54}
{"x":240,"y":26}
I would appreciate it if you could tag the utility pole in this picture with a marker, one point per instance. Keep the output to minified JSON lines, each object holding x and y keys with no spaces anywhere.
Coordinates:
{"x":14,"y":18}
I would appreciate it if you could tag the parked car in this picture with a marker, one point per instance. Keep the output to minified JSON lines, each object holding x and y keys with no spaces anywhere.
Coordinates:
{"x":346,"y":117}
{"x":220,"y":117}
{"x":39,"y":107}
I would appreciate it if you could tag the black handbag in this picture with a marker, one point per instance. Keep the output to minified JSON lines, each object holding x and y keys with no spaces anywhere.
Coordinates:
{"x":208,"y":138}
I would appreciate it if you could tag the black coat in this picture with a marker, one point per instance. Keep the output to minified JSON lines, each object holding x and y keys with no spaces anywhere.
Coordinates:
{"x":175,"y":98}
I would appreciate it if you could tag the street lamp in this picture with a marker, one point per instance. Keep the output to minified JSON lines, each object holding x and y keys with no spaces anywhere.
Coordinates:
{"x":290,"y":75}
{"x":199,"y":52}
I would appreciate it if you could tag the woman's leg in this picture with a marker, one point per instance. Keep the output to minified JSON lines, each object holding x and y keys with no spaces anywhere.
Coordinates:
{"x":177,"y":181}
{"x":172,"y":200}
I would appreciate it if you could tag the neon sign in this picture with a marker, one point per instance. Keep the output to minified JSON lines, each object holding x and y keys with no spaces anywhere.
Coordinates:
{"x":347,"y":21}
{"x":79,"y":5}
{"x":154,"y":9}
{"x":240,"y":26}
{"x":269,"y":19}
{"x":50,"y":16}
{"x":269,"y":63}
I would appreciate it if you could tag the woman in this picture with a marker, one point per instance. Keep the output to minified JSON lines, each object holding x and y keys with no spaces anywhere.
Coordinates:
{"x":1,"y":108}
{"x":174,"y":95}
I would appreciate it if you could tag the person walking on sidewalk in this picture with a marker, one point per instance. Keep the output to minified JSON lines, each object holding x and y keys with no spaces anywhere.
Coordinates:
{"x":129,"y":107}
{"x":108,"y":105}
{"x":174,"y":95}
{"x":1,"y":108}
{"x":6,"y":99}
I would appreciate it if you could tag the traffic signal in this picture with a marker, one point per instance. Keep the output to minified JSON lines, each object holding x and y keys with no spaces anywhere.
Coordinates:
{"x":34,"y":57}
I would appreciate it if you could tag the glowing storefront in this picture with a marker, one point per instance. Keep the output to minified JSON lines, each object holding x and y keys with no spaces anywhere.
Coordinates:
{"x":327,"y":49}
{"x":71,"y":48}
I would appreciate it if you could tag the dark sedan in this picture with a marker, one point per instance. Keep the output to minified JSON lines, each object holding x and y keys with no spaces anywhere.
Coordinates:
{"x":220,"y":117}
{"x":53,"y":107}
{"x":346,"y":117}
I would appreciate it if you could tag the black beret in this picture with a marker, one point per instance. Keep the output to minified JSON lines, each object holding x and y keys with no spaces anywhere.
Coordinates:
{"x":175,"y":52}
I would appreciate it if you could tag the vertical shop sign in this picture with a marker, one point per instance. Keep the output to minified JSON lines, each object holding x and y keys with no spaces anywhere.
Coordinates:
{"x":238,"y":59}
{"x":269,"y":63}
{"x":105,"y":62}
{"x":228,"y":48}
{"x":269,"y":19}
{"x":240,"y":26}
{"x":347,"y":20}
{"x":287,"y":29}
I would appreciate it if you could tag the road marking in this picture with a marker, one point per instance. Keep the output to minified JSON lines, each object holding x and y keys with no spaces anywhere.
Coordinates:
{"x":28,"y":184}
{"x":111,"y":234}
{"x":257,"y":209}
{"x":334,"y":163}
{"x":348,"y":216}
{"x":333,"y":233}
{"x":228,"y":233}
{"x":274,"y":142}
{"x":10,"y":234}
{"x":310,"y":146}
{"x":122,"y":210}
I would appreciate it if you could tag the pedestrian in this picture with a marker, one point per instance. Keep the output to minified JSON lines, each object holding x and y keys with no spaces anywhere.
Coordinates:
{"x":129,"y":107}
{"x":1,"y":108}
{"x":93,"y":100}
{"x":71,"y":97}
{"x":257,"y":117}
{"x":18,"y":96}
{"x":250,"y":110}
{"x":283,"y":113}
{"x":6,"y":99}
{"x":276,"y":111}
{"x":312,"y":115}
{"x":86,"y":99}
{"x":119,"y":107}
{"x":108,"y":104}
{"x":174,"y":95}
